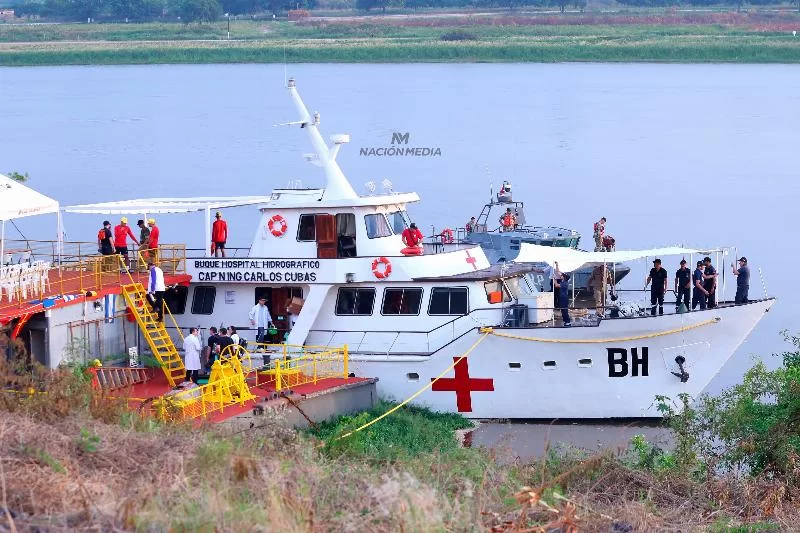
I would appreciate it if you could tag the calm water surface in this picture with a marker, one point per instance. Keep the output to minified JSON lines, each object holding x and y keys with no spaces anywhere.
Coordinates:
{"x":702,"y":155}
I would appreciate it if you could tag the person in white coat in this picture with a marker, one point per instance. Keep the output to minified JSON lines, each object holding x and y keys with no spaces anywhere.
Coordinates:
{"x":191,"y":360}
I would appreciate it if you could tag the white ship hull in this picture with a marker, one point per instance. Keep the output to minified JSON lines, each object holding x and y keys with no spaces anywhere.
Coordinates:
{"x":513,"y":381}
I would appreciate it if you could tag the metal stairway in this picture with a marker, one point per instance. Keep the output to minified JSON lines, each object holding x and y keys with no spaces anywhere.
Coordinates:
{"x":156,"y":334}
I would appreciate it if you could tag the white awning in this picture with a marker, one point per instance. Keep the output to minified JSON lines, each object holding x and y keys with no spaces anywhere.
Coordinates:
{"x":569,"y":259}
{"x":17,"y":200}
{"x":155,"y":206}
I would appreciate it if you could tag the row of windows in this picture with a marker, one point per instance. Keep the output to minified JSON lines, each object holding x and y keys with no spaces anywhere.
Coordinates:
{"x":443,"y":301}
{"x":378,"y":225}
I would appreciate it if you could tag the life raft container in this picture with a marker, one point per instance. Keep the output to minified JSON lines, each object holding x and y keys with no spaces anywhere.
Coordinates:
{"x":277,"y":226}
{"x":384,"y":271}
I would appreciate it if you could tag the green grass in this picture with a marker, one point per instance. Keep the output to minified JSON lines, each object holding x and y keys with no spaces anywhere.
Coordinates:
{"x":266,"y":42}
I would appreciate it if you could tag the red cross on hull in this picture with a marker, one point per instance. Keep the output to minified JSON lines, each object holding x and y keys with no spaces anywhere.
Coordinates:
{"x":463,"y":385}
{"x":471,"y":260}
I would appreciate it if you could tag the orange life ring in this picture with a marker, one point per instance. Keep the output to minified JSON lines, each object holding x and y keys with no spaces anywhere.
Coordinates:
{"x":447,"y":236}
{"x":277,"y":225}
{"x":381,"y":273}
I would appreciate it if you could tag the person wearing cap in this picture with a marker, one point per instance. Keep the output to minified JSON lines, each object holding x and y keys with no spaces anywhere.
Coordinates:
{"x":104,"y":243}
{"x":699,"y":294}
{"x":121,"y":233}
{"x":144,"y":239}
{"x":260,"y":318}
{"x":658,"y":276}
{"x":219,"y":235}
{"x":710,"y":282}
{"x":153,"y":243}
{"x":562,"y":286}
{"x":742,"y":281}
{"x":412,"y":236}
{"x":683,"y":285}
{"x":156,"y":289}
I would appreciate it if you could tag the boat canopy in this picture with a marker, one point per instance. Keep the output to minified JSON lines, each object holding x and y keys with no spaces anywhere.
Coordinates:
{"x":17,"y":201}
{"x":569,"y":259}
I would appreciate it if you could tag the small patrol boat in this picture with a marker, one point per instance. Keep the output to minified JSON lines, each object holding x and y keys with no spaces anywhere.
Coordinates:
{"x":501,"y":241}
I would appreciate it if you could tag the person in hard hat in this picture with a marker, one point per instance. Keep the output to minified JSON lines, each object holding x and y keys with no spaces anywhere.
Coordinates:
{"x":219,"y":235}
{"x":153,"y":243}
{"x":121,"y":233}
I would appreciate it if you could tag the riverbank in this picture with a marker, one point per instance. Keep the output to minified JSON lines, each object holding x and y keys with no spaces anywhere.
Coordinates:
{"x":574,"y":38}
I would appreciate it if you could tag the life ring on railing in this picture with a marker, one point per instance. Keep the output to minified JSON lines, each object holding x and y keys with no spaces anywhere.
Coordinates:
{"x":447,"y":236}
{"x":381,"y":273}
{"x":277,"y":225}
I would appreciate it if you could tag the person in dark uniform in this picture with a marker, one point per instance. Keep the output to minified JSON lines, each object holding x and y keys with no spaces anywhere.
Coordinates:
{"x":699,"y":294}
{"x":742,"y":281}
{"x":658,"y":276}
{"x":683,"y":284}
{"x":562,"y":287}
{"x":710,"y":283}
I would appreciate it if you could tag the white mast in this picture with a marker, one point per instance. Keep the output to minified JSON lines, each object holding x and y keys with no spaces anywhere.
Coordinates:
{"x":337,"y":187}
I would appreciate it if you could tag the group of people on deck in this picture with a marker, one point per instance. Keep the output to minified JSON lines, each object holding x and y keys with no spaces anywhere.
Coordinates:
{"x":110,"y":242}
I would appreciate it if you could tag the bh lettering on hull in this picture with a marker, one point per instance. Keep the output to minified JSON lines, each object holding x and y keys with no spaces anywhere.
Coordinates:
{"x":620,"y":366}
{"x":255,"y":270}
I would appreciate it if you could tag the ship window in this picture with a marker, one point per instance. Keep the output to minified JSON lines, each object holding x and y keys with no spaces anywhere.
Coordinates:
{"x":377,"y":226}
{"x":448,"y":301}
{"x":515,"y":366}
{"x":203,"y":301}
{"x":307,"y":230}
{"x":584,"y":363}
{"x":401,"y":301}
{"x":496,"y":292}
{"x":399,"y":221}
{"x":175,"y":298}
{"x":355,"y":301}
{"x":549,"y":365}
{"x":412,"y":376}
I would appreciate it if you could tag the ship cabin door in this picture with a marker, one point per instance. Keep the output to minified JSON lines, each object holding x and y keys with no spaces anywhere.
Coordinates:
{"x":336,"y":235}
{"x":277,"y":301}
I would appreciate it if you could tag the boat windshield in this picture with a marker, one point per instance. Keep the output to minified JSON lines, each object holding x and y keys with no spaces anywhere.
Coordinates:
{"x":399,"y":221}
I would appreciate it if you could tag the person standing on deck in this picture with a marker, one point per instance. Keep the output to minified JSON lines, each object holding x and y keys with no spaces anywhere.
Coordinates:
{"x":144,"y":239}
{"x":470,"y":227}
{"x":683,"y":284}
{"x":105,"y":244}
{"x":658,"y":276}
{"x":699,"y":294}
{"x":153,"y":243}
{"x":191,"y":357}
{"x":599,"y":231}
{"x":156,"y":289}
{"x":261,"y":319}
{"x":562,"y":286}
{"x":599,"y":282}
{"x":742,"y":281}
{"x":710,"y":283}
{"x":121,"y":233}
{"x":219,"y":235}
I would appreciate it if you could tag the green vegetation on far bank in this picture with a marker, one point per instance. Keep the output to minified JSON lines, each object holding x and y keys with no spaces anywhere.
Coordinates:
{"x":743,"y":41}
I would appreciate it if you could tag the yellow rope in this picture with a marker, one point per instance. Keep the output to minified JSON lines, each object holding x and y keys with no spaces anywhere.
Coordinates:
{"x":591,"y":341}
{"x":423,"y":389}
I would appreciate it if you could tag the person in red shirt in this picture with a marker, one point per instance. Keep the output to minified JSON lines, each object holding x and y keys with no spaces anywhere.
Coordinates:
{"x":154,"y":234}
{"x":121,"y":233}
{"x":219,"y":235}
{"x":412,"y":237}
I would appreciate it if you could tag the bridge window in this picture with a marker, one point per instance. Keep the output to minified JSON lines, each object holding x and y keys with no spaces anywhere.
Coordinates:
{"x":399,"y":221}
{"x":496,"y":292}
{"x":401,"y":301}
{"x":203,"y":301}
{"x":355,"y":301}
{"x":449,"y":301}
{"x":307,"y":229}
{"x":377,"y":226}
{"x":175,"y":298}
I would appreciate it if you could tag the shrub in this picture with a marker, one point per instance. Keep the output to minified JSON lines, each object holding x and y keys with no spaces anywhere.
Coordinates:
{"x":458,"y":35}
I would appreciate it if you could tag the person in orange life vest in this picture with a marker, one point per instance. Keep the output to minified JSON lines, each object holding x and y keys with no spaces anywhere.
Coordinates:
{"x":412,"y":237}
{"x":154,"y":234}
{"x":121,"y":233}
{"x":219,"y":235}
{"x":508,"y":221}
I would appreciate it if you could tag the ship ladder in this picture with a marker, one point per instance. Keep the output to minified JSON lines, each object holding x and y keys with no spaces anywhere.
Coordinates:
{"x":156,"y":334}
{"x":115,"y":377}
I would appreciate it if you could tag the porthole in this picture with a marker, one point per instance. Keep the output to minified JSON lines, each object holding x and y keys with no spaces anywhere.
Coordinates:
{"x":412,"y":376}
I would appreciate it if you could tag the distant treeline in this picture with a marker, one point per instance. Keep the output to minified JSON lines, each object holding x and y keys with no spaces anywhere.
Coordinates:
{"x":211,"y":10}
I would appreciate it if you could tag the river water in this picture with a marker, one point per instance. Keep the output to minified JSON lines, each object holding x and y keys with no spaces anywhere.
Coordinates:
{"x":703,"y":155}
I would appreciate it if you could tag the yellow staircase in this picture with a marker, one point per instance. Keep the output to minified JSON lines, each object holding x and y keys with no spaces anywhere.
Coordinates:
{"x":156,"y":334}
